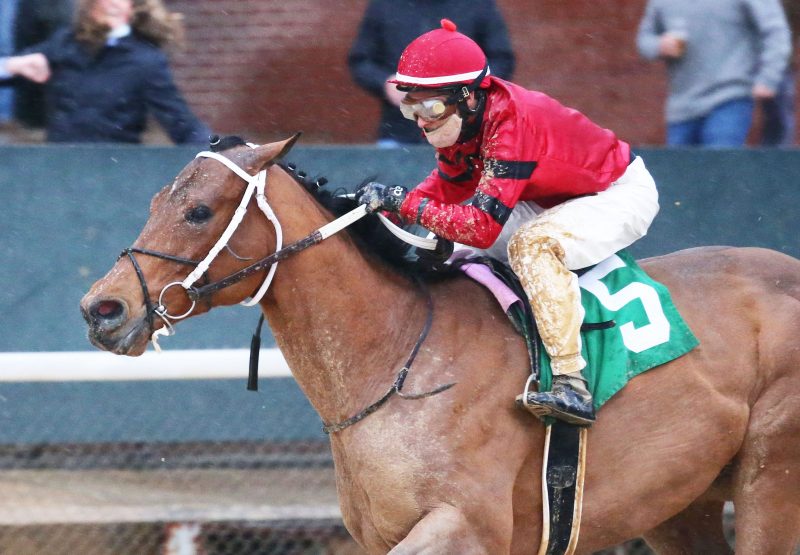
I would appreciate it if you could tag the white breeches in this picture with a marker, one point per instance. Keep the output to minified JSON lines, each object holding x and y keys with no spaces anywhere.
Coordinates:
{"x":543,"y":246}
{"x":590,"y":228}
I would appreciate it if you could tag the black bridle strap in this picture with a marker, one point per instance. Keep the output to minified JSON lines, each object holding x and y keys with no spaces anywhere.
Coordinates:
{"x":145,"y":292}
{"x":397,"y":386}
{"x":196,"y":293}
{"x":142,"y":282}
{"x":157,"y":254}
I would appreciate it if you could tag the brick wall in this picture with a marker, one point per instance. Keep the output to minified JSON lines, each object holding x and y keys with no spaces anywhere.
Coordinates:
{"x":583,"y":52}
{"x":266,"y":68}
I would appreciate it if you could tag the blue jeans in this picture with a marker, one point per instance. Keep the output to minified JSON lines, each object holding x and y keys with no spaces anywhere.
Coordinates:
{"x":727,"y":125}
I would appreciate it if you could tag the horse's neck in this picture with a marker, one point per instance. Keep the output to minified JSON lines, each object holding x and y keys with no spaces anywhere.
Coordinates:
{"x":343,"y":323}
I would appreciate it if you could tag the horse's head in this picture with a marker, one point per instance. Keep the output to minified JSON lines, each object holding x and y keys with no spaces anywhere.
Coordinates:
{"x":190,"y":239}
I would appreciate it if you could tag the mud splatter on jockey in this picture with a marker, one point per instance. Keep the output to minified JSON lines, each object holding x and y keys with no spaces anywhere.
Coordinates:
{"x":525,"y":179}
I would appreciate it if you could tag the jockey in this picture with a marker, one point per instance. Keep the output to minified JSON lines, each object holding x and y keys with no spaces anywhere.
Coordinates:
{"x":525,"y":180}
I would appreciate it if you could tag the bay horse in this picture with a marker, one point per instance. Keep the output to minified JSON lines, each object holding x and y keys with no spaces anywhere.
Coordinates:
{"x":460,"y":472}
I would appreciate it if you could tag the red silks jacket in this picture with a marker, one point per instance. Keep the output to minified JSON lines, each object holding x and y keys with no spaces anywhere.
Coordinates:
{"x":529,"y":147}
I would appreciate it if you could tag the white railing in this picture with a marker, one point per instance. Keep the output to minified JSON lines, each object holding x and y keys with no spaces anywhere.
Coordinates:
{"x":194,"y":364}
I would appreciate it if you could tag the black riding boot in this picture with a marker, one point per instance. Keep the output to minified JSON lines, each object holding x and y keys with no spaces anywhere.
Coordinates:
{"x":569,"y":400}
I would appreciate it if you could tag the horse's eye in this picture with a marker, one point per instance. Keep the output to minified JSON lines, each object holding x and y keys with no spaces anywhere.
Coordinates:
{"x":198,"y":214}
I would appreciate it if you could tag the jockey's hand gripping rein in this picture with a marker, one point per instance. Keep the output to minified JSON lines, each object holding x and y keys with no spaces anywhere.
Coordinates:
{"x":377,"y":196}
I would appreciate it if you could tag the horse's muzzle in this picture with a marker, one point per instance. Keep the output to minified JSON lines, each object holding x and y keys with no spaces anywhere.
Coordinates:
{"x":112,"y":329}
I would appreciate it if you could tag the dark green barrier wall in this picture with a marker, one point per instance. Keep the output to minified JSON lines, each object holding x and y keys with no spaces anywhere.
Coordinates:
{"x":68,"y":211}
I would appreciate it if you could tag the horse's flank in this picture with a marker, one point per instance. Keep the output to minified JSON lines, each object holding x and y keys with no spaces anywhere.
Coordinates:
{"x":459,"y":472}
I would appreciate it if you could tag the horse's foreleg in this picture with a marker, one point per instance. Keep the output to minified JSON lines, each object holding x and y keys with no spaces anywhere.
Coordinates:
{"x":767,"y":512}
{"x":446,"y":529}
{"x":767,"y":489}
{"x":696,"y":529}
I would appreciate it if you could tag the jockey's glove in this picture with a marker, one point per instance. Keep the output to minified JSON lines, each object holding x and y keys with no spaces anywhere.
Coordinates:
{"x":377,"y":196}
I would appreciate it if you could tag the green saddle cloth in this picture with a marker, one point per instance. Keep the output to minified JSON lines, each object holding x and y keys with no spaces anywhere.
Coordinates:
{"x":649,"y":331}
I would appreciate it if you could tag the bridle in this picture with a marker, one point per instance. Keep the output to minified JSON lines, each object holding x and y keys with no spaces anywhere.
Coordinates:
{"x":256,"y":184}
{"x":153,"y":309}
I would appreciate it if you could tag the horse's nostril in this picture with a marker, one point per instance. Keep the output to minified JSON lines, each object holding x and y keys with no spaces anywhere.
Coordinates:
{"x":107,"y":310}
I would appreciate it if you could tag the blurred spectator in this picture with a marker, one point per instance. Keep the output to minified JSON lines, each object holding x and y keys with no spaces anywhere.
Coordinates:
{"x":779,"y":113}
{"x":720,"y":57}
{"x":105,"y":73}
{"x":36,"y":22}
{"x":389,"y":26}
{"x":8,"y":13}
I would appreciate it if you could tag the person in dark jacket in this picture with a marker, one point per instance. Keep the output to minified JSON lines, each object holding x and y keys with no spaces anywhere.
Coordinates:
{"x":36,"y":21}
{"x":387,"y":28}
{"x":108,"y":72}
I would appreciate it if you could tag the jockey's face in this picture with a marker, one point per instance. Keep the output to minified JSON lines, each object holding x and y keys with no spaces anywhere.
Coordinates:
{"x":434,"y":121}
{"x":112,"y":12}
{"x":428,"y":108}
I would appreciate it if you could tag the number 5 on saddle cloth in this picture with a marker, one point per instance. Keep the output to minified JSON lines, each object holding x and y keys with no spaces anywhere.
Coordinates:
{"x":631,"y":324}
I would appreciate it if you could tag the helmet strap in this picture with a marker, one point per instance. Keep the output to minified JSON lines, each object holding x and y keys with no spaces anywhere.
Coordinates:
{"x":473,"y":117}
{"x":461,"y":94}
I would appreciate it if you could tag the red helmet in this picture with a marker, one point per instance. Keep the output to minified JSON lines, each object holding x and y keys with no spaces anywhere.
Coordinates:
{"x":442,"y":58}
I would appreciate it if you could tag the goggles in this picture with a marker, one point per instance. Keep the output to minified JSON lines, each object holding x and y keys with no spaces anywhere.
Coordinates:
{"x":429,"y":109}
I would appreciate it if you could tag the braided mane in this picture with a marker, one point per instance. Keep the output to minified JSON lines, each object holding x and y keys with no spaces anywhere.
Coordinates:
{"x":369,"y":233}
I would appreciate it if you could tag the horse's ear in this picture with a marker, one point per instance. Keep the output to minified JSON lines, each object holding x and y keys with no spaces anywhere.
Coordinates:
{"x":268,"y":154}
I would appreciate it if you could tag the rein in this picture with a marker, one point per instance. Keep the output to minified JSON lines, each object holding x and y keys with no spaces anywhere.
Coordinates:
{"x":197,"y":293}
{"x":397,"y":386}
